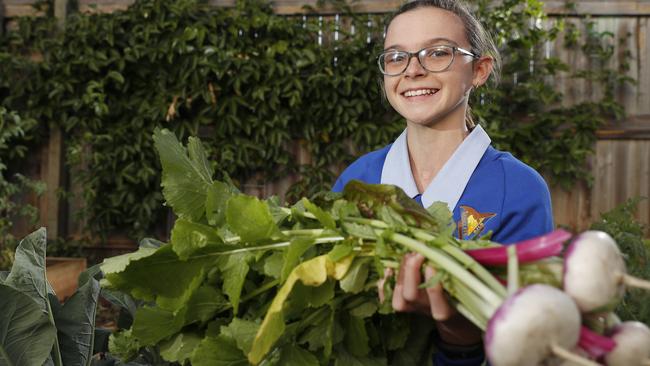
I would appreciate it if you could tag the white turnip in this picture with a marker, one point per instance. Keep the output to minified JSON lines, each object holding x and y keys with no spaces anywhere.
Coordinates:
{"x":632,"y":345}
{"x":533,"y":325}
{"x":594,"y":272}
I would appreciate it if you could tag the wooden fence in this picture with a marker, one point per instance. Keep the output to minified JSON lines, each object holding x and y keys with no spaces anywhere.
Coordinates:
{"x":620,"y":165}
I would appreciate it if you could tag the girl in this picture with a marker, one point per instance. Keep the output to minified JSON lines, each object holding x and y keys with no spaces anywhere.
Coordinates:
{"x":435,"y":54}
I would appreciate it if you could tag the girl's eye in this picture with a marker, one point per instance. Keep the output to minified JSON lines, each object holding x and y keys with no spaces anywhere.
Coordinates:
{"x":436,"y":53}
{"x":394,"y":58}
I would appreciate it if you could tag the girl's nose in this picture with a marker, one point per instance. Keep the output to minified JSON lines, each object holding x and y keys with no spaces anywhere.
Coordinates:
{"x":414,"y":68}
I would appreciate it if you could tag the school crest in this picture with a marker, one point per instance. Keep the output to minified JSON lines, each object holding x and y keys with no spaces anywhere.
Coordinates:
{"x":472,"y":223}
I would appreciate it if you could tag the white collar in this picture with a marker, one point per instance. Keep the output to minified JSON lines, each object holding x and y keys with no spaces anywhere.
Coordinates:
{"x":451,"y":180}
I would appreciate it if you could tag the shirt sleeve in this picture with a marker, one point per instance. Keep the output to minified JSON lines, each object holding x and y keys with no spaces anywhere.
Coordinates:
{"x":526,"y":209}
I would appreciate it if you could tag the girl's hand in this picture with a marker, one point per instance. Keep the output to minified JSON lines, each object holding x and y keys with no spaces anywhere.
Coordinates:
{"x":453,"y":328}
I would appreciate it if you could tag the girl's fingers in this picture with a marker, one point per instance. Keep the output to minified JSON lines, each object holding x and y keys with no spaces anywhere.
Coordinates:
{"x":388,"y":272}
{"x":412,"y":278}
{"x":440,"y":308}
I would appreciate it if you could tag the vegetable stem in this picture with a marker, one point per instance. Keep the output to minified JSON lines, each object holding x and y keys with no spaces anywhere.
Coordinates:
{"x":467,"y":261}
{"x":632,"y":281}
{"x":448,"y":264}
{"x":570,"y":356}
{"x":513,"y":270}
{"x":265,"y":287}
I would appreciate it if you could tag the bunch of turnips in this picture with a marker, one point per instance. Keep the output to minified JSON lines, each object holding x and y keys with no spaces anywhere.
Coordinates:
{"x":250,"y":281}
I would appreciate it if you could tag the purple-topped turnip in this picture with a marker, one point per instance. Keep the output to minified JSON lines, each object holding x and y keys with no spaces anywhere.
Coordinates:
{"x":632,"y":345}
{"x":594,"y":272}
{"x":533,"y":325}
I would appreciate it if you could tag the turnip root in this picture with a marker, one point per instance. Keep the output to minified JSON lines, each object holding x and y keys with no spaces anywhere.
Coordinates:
{"x":632,"y":345}
{"x":594,"y":272}
{"x":531,"y":326}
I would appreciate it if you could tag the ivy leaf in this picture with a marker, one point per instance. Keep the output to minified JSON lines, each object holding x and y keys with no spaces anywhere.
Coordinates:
{"x":186,"y":176}
{"x":251,"y":219}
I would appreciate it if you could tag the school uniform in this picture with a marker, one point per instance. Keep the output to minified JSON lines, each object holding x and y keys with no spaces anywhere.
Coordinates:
{"x":487,"y":190}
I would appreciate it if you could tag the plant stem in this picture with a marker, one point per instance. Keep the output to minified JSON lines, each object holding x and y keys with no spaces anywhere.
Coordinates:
{"x":274,"y":246}
{"x":513,"y":270}
{"x":448,"y":264}
{"x":466,"y":260}
{"x":632,"y":281}
{"x":570,"y":356}
{"x":265,"y":287}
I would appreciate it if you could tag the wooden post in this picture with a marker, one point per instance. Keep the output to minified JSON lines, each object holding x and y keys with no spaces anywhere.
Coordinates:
{"x":2,"y":17}
{"x":55,"y":212}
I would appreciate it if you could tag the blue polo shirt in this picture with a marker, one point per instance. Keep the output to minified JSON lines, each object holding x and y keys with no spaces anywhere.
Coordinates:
{"x":487,"y":190}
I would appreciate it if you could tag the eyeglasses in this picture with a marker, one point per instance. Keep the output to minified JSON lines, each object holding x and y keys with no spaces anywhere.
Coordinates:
{"x":432,"y":59}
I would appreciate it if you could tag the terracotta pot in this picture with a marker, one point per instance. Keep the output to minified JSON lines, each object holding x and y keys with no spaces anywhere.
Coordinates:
{"x":63,"y":274}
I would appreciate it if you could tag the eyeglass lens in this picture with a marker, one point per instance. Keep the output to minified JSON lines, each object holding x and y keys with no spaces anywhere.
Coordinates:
{"x":433,"y":59}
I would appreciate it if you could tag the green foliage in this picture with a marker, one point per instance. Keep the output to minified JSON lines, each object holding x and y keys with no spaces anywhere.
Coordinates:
{"x":255,"y":85}
{"x":296,"y":289}
{"x":629,"y":235}
{"x":15,"y":133}
{"x":35,"y":328}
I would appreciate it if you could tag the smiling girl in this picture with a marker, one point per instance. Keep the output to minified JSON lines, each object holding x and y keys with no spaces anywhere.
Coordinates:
{"x":435,"y":55}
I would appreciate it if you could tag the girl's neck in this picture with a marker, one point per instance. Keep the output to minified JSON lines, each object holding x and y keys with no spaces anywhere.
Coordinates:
{"x":430,"y":147}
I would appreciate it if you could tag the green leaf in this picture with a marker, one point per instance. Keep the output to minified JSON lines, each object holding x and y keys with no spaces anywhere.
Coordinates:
{"x":187,"y":237}
{"x":75,"y":322}
{"x":124,"y":345}
{"x":313,"y":272}
{"x":217,"y":199}
{"x":355,"y":280}
{"x":291,"y":355}
{"x":273,"y":264}
{"x":186,"y":176}
{"x":219,"y":351}
{"x":323,"y":217}
{"x":28,"y":271}
{"x":159,"y":274}
{"x":234,"y":268}
{"x":292,"y":255}
{"x":443,"y":217}
{"x":152,"y":324}
{"x":341,"y":251}
{"x":119,"y":263}
{"x":204,"y":304}
{"x":251,"y":219}
{"x":243,"y":332}
{"x":314,"y":296}
{"x":356,"y":336}
{"x":365,"y":310}
{"x":26,"y":334}
{"x":181,"y":347}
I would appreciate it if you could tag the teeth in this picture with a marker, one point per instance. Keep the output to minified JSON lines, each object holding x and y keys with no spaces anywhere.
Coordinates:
{"x":415,"y":93}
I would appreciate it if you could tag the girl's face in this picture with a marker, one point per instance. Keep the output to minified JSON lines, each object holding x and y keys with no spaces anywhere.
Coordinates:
{"x":423,"y":97}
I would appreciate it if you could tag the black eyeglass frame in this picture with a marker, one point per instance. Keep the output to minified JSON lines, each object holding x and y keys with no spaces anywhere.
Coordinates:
{"x":410,"y":55}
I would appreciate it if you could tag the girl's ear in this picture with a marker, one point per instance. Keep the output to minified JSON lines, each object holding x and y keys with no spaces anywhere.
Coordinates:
{"x":482,"y":70}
